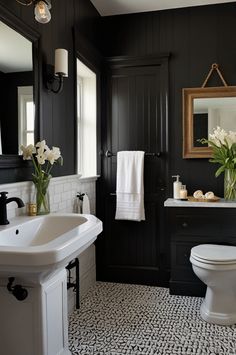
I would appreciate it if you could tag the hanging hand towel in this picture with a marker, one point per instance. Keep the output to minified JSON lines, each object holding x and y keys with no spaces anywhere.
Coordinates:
{"x":86,"y":205}
{"x":129,"y":186}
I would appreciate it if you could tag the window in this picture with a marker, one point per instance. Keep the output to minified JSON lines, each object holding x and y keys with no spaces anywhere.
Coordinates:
{"x":25,"y":115}
{"x":86,"y":121}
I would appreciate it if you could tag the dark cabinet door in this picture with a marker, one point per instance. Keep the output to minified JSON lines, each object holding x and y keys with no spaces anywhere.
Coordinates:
{"x":191,"y":227}
{"x":135,"y":100}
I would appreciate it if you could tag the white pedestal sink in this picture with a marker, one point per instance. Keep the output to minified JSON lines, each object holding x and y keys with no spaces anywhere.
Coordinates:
{"x":35,"y":251}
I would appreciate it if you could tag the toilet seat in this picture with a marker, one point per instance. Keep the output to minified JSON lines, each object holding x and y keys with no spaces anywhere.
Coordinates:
{"x":214,"y":255}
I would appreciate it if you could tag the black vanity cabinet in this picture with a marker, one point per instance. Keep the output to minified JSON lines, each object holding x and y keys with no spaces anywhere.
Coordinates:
{"x":191,"y":226}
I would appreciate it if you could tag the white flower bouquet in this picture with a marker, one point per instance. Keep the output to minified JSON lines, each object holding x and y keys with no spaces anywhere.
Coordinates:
{"x":224,"y":153}
{"x":43,"y":160}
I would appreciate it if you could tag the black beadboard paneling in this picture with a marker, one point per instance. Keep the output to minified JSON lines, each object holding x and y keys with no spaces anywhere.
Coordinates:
{"x":196,"y":37}
{"x":57,"y":111}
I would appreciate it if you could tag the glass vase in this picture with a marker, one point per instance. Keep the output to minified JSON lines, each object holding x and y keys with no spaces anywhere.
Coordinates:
{"x":42,"y":197}
{"x":230,"y":184}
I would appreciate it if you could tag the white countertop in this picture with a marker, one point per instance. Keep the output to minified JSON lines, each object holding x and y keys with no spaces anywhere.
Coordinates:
{"x":170,"y":202}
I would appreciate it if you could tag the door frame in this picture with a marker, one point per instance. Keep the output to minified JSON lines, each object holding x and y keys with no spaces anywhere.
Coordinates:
{"x":111,"y":63}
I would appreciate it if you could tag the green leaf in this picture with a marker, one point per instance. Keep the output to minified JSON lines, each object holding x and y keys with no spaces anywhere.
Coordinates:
{"x":220,"y":170}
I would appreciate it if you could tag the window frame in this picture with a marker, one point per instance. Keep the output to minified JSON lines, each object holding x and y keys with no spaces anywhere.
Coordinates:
{"x":25,"y":95}
{"x":79,"y":121}
{"x":81,"y":140}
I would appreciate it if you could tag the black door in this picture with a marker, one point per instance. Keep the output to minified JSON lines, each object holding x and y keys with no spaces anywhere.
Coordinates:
{"x":135,"y":118}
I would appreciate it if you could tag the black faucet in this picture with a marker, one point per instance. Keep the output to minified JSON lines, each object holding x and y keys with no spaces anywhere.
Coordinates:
{"x":3,"y":206}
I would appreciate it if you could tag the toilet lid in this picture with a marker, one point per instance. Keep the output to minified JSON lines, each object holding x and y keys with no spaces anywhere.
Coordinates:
{"x":212,"y":253}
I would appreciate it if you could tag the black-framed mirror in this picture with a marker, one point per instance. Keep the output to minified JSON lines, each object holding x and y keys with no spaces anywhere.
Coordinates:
{"x":19,"y":88}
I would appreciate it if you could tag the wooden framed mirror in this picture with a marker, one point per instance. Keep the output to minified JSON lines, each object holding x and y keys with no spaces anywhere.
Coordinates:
{"x":203,"y":110}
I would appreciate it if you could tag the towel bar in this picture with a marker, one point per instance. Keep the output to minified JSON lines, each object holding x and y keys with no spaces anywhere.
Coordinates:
{"x":109,"y":154}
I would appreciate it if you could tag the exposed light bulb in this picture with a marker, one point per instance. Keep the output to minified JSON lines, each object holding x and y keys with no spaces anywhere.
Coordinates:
{"x":41,"y":12}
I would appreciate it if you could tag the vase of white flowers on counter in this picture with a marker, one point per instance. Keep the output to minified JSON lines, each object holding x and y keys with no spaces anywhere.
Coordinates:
{"x":224,"y":153}
{"x":43,"y":160}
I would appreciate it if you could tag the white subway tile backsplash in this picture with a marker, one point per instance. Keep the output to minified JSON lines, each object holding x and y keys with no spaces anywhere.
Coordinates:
{"x":62,"y":206}
{"x":65,"y":196}
{"x":63,"y":191}
{"x":74,"y":185}
{"x":54,"y":207}
{"x":58,"y":188}
{"x":67,"y":186}
{"x":56,"y":198}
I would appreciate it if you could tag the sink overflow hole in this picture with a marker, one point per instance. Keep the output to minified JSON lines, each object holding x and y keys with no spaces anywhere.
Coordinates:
{"x":17,"y":231}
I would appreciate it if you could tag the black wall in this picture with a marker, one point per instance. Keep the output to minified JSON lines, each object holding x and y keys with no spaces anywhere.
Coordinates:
{"x":58,"y":111}
{"x":196,"y":37}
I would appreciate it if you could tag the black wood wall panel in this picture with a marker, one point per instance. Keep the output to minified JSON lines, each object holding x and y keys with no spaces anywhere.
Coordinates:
{"x":58,"y":111}
{"x":196,"y":37}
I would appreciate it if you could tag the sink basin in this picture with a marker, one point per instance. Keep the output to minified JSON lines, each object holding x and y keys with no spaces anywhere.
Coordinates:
{"x":34,"y":252}
{"x":45,"y":242}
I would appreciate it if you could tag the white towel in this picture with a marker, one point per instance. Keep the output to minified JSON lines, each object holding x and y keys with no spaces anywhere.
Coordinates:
{"x":129,"y":186}
{"x":86,"y":205}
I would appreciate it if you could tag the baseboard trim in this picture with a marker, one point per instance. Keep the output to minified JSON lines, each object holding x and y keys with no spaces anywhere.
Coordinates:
{"x":187,"y":288}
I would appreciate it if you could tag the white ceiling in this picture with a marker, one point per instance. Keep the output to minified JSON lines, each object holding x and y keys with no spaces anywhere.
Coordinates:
{"x":15,"y":51}
{"x":118,"y":7}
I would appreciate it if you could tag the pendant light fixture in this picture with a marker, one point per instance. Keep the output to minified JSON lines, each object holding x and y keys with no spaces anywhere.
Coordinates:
{"x":41,"y":9}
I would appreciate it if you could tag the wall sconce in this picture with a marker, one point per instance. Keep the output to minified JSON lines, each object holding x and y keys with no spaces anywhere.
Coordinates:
{"x":41,"y":9}
{"x":60,"y":71}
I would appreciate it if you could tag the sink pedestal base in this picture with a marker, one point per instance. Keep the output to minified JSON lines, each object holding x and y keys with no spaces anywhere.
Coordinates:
{"x":39,"y":324}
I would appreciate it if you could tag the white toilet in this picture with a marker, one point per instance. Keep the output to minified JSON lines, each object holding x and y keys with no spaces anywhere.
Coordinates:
{"x":215,"y":265}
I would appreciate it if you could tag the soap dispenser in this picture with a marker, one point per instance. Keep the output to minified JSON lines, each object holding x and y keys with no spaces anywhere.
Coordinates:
{"x":176,"y":187}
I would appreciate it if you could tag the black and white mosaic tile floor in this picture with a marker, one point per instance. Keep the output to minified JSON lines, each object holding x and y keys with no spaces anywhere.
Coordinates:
{"x":122,"y":319}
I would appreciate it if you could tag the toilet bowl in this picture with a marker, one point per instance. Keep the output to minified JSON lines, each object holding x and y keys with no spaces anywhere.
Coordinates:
{"x":215,"y":265}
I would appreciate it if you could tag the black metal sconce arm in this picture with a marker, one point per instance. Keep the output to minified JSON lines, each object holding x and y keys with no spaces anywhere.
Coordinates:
{"x":51,"y":82}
